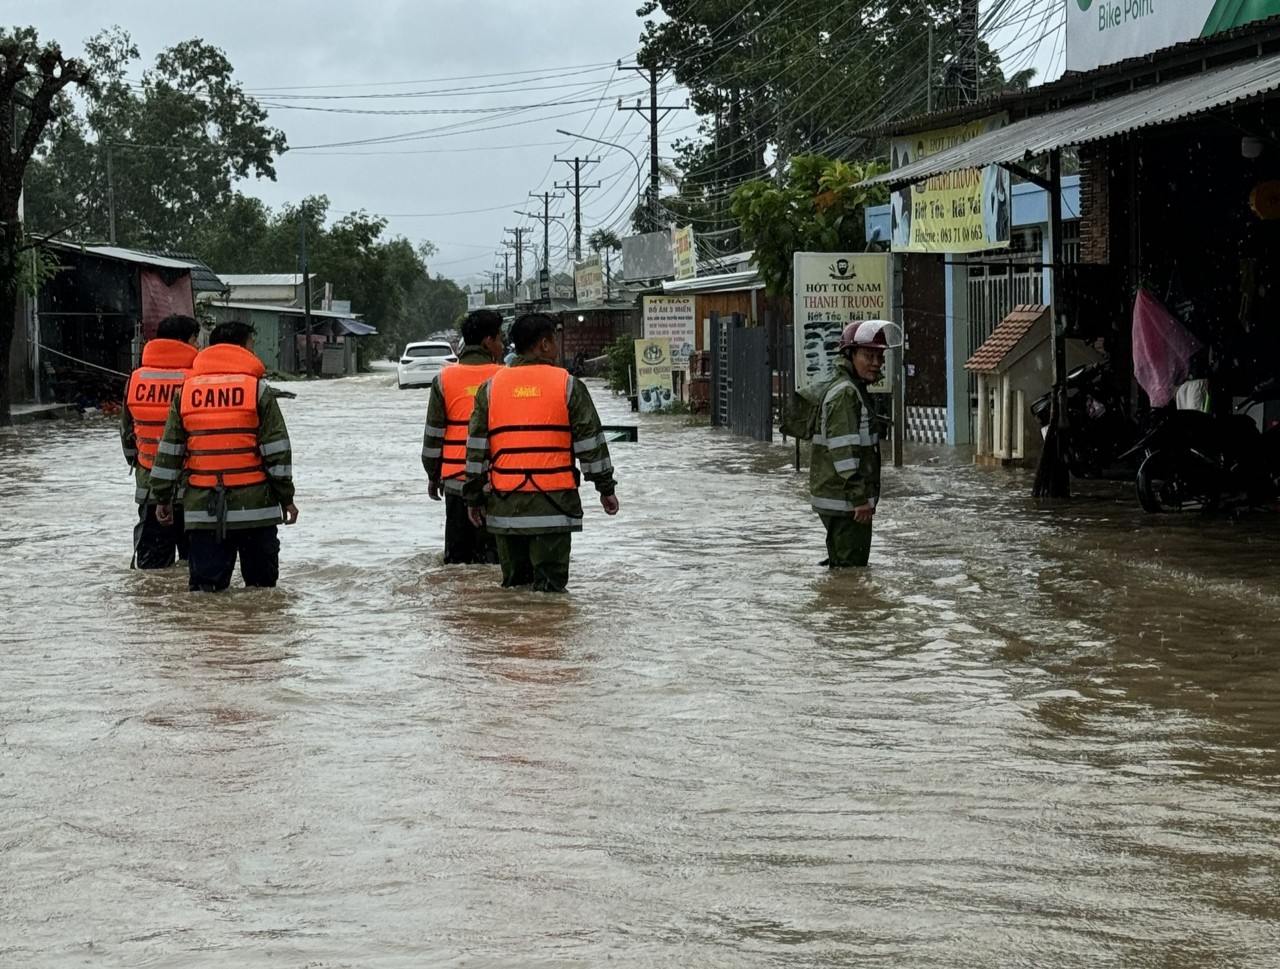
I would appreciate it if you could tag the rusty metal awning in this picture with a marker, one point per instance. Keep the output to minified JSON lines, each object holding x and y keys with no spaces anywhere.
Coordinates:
{"x":1160,"y":104}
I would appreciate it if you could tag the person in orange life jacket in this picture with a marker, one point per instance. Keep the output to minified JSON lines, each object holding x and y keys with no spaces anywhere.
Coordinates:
{"x":166,"y":363}
{"x":444,"y":445}
{"x":226,"y":437}
{"x":534,"y":432}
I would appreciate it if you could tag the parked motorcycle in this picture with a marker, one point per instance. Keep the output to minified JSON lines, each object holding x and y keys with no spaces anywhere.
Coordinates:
{"x":1102,"y":435}
{"x":1198,"y":461}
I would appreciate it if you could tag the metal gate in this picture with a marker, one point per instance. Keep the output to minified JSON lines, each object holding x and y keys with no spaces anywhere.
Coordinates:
{"x":742,"y":378}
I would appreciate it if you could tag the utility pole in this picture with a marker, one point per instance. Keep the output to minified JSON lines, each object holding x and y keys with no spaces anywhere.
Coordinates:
{"x":577,"y":188}
{"x":111,"y":197}
{"x":518,"y":245}
{"x":968,"y":53}
{"x":506,"y":271}
{"x":306,"y":288}
{"x":656,"y":113}
{"x":495,"y":276}
{"x":546,"y":218}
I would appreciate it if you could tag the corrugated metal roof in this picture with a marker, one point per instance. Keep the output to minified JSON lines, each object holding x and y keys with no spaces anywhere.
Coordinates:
{"x":263,"y":279}
{"x":276,"y":308}
{"x":724,"y":283}
{"x":203,"y":279}
{"x":1099,"y":120}
{"x":124,"y":255}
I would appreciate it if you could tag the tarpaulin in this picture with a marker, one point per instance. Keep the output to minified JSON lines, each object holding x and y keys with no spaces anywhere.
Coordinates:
{"x":161,"y":299}
{"x":1162,"y":349}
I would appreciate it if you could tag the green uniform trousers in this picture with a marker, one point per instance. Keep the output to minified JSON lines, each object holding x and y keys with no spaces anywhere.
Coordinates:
{"x":541,"y":561}
{"x":848,"y":543}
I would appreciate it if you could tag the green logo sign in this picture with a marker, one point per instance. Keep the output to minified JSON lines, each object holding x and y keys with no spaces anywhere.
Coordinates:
{"x":1085,"y":4}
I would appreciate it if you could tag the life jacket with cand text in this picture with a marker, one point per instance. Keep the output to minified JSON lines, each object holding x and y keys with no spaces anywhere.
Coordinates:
{"x":166,"y":364}
{"x":220,"y":416}
{"x":530,"y":436}
{"x":458,"y":385}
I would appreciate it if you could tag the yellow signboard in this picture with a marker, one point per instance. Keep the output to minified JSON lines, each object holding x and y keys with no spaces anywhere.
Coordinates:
{"x":653,"y":375}
{"x":682,"y":249}
{"x":966,"y":211}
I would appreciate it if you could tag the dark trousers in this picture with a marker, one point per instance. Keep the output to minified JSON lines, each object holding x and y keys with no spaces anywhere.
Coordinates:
{"x":464,"y":544}
{"x":212,"y":561}
{"x":848,"y":543}
{"x":541,"y":561}
{"x":154,"y":544}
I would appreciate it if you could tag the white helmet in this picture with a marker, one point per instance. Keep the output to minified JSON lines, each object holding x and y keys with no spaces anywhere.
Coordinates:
{"x":872,"y":333}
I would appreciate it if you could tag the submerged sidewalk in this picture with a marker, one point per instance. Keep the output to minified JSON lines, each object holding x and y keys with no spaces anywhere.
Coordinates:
{"x":27,"y":413}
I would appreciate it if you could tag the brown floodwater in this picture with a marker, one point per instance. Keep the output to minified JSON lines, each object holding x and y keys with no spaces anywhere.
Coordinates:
{"x":1041,"y":737}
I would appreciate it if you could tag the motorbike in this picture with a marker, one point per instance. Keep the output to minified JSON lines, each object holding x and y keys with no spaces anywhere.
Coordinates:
{"x":1194,"y":460}
{"x":1102,"y":435}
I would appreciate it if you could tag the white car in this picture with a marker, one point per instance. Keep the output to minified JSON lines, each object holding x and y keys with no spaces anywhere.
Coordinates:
{"x":420,"y":362}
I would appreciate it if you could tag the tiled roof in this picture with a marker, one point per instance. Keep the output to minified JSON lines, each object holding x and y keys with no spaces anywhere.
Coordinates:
{"x":1005,"y":337}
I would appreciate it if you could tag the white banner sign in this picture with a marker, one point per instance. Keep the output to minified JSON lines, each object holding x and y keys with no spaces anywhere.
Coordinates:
{"x":588,"y":276}
{"x":1106,"y":31}
{"x":832,"y":290}
{"x":672,"y":318}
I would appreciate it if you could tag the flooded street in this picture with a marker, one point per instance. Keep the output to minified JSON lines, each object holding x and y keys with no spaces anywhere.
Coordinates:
{"x":1025,"y":737}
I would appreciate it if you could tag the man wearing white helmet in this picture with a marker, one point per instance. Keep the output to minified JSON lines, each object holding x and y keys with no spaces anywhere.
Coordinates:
{"x":844,"y":470}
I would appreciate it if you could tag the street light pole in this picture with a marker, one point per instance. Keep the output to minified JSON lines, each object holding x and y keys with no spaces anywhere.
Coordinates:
{"x":601,"y":141}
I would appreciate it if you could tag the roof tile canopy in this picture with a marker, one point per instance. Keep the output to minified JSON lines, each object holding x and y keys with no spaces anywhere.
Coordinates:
{"x":1005,"y":337}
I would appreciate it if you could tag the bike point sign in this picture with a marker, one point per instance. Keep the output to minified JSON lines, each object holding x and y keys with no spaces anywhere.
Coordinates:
{"x":1103,"y":32}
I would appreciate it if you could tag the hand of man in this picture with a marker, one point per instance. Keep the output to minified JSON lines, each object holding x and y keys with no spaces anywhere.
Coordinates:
{"x":864,"y":513}
{"x":433,"y":490}
{"x":164,"y":514}
{"x":290,"y":513}
{"x":609,"y":503}
{"x":477,"y":516}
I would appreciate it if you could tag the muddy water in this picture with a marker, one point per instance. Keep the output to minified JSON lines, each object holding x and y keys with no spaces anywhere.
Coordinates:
{"x":1025,"y":737}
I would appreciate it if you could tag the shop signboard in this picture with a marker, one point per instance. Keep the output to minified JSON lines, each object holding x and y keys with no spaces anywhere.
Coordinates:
{"x":475,"y":301}
{"x":588,"y":278}
{"x":684,"y":252}
{"x":966,"y":211}
{"x":672,"y":318}
{"x":1106,"y":31}
{"x":653,"y":375}
{"x":832,"y":290}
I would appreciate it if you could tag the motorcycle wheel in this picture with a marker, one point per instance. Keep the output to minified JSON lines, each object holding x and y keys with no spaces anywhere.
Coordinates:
{"x":1176,"y":480}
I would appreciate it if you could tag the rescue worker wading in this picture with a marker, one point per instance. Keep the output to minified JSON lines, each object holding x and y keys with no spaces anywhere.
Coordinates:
{"x":531,"y":421}
{"x":844,"y":468}
{"x":166,"y":363}
{"x":227,"y":437}
{"x":444,"y":446}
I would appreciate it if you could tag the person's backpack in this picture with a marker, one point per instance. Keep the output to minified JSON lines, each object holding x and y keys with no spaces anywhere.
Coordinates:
{"x":804,"y":411}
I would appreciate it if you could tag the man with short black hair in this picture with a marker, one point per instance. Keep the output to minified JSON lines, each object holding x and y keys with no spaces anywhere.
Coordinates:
{"x":166,"y":364}
{"x":444,"y":444}
{"x":226,"y":436}
{"x":534,"y":433}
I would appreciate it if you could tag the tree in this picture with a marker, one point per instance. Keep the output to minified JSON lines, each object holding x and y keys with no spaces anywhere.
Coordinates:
{"x":603,"y":239}
{"x":32,"y":75}
{"x":152,"y":162}
{"x":818,"y":209}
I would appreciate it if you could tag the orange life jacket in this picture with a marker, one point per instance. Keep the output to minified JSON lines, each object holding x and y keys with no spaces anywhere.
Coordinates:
{"x":220,"y":416}
{"x":459,"y":383}
{"x":165,"y":365}
{"x":530,"y":438}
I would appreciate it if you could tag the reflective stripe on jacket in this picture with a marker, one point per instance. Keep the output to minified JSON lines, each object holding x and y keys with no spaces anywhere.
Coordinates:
{"x":458,"y":385}
{"x":530,"y":438}
{"x":219,"y":408}
{"x":166,"y":364}
{"x":844,"y":467}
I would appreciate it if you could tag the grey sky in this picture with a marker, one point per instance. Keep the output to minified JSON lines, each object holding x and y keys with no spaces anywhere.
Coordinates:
{"x":327,"y":47}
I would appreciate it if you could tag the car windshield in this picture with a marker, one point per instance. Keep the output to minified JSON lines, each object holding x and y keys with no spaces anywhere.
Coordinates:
{"x":435,"y":350}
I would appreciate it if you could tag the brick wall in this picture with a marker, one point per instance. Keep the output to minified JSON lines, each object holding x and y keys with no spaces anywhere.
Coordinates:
{"x":1095,"y":206}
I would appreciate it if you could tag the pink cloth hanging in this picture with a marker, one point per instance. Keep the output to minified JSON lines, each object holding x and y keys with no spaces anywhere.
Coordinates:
{"x":1162,"y":349}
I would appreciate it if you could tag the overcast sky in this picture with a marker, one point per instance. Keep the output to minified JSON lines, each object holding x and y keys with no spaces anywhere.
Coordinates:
{"x":289,"y":54}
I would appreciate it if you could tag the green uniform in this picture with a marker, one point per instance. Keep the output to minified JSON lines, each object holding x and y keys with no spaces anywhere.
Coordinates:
{"x":129,"y":444}
{"x":248,"y":506}
{"x":534,"y":529}
{"x":844,"y":469}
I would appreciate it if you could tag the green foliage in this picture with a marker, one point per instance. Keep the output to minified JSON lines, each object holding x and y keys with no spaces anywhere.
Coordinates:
{"x":819,"y":208}
{"x":175,"y":144}
{"x":772,"y":79}
{"x":35,"y":268}
{"x":620,"y":370}
{"x":603,"y":239}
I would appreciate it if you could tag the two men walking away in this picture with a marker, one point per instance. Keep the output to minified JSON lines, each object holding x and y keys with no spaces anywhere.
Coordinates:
{"x":225,"y":435}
